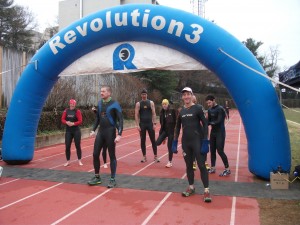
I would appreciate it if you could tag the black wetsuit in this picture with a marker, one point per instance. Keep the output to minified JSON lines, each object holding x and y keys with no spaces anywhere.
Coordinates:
{"x":194,"y":130}
{"x":167,"y":120}
{"x":146,"y":124}
{"x":72,"y":131}
{"x":216,"y":117}
{"x":110,"y":118}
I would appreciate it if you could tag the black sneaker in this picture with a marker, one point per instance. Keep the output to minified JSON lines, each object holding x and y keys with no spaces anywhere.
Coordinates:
{"x":225,"y":173}
{"x":189,"y":192}
{"x":144,"y":159}
{"x":95,"y":181}
{"x":112,"y":183}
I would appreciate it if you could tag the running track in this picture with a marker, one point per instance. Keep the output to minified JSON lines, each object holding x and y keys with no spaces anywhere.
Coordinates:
{"x":55,"y":199}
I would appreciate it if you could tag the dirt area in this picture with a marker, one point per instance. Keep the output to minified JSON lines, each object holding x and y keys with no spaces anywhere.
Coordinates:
{"x":273,"y":212}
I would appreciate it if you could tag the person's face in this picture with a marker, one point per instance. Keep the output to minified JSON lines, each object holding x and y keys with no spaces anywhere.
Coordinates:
{"x":144,"y":96}
{"x":104,"y":93}
{"x":165,"y":106}
{"x":72,"y":106}
{"x":187,"y":97}
{"x":210,"y":103}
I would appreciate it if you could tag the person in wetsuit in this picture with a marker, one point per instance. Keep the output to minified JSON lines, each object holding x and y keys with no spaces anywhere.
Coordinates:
{"x":167,"y":120}
{"x":194,"y":130}
{"x":104,"y":150}
{"x":109,"y":118}
{"x":216,"y":118}
{"x":145,"y":120}
{"x":72,"y":118}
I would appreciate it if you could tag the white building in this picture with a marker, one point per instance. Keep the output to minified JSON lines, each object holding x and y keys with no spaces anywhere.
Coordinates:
{"x":71,"y":10}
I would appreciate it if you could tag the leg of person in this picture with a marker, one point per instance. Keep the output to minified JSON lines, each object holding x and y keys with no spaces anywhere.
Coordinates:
{"x":68,"y":142}
{"x":220,"y":148}
{"x":77,"y":140}
{"x":188,"y":158}
{"x":213,"y":153}
{"x":104,"y":156}
{"x":143,"y":142}
{"x":201,"y":158}
{"x":151,"y":133}
{"x":96,"y":159}
{"x":170,"y":152}
{"x":194,"y":162}
{"x":111,"y":146}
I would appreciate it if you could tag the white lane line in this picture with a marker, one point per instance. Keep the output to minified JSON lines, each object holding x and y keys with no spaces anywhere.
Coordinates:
{"x":156,"y":208}
{"x":10,"y":181}
{"x":233,"y":206}
{"x":145,"y":167}
{"x":29,"y":196}
{"x":80,"y":207}
{"x":238,"y":153}
{"x":233,"y":210}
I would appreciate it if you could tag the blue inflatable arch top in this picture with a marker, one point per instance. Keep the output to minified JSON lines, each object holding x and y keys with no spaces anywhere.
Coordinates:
{"x":254,"y":95}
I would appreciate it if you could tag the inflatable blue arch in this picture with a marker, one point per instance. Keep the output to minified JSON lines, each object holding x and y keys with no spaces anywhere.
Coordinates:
{"x":254,"y":95}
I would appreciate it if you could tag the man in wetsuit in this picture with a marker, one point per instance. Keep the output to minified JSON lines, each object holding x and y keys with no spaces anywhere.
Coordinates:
{"x":145,"y":120}
{"x":167,"y":120}
{"x":194,"y":131}
{"x":216,"y":117}
{"x":109,"y":117}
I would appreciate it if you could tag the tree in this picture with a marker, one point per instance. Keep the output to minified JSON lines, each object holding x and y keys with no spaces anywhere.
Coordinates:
{"x":16,"y":25}
{"x":163,"y":81}
{"x":269,"y":60}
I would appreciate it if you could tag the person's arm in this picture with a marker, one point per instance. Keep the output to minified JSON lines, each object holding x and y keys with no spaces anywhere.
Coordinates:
{"x":137,"y":114}
{"x":120,"y":122}
{"x":153,"y":112}
{"x":97,"y":120}
{"x":204,"y":122}
{"x":63,"y":117}
{"x":79,"y":118}
{"x":177,"y":128}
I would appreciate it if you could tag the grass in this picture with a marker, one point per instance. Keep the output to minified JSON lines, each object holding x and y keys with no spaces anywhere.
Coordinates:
{"x":286,"y":212}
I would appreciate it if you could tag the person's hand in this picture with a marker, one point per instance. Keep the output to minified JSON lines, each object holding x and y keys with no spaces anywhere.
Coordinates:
{"x":154,"y":126}
{"x":117,"y":139}
{"x":174,"y":146}
{"x":92,"y":134}
{"x":138,"y":128}
{"x":205,"y":146}
{"x":69,"y":123}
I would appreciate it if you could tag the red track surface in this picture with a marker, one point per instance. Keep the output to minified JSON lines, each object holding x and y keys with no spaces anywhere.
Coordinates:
{"x":42,"y":202}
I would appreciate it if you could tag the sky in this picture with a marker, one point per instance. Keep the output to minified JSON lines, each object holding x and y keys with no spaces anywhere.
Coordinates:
{"x":273,"y":22}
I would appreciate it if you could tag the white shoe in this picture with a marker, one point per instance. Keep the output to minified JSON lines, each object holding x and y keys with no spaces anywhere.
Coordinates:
{"x":80,"y":163}
{"x":169,"y":164}
{"x":105,"y":166}
{"x":1,"y":170}
{"x":67,"y":163}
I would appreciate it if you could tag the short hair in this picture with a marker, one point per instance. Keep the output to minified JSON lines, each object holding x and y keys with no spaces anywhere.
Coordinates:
{"x":210,"y":98}
{"x":107,"y":87}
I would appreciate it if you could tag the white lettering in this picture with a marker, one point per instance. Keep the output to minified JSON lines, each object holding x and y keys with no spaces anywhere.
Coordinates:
{"x":96,"y":24}
{"x":70,"y":36}
{"x":158,"y":22}
{"x":179,"y":26}
{"x":119,"y":22}
{"x":135,"y":14}
{"x":55,"y":43}
{"x":198,"y":30}
{"x":108,"y":19}
{"x":83,"y":30}
{"x":146,"y":17}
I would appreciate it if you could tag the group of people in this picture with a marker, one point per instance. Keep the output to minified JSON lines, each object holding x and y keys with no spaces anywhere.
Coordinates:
{"x":191,"y":118}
